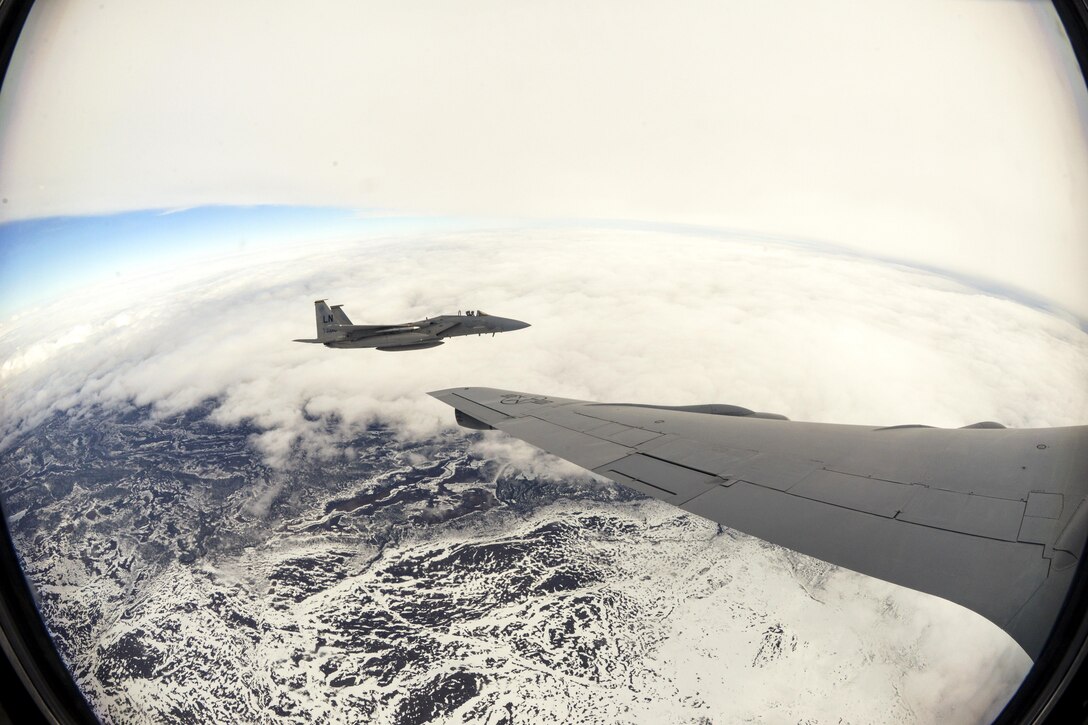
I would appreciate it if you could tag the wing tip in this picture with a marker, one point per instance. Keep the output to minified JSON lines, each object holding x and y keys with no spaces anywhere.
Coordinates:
{"x":442,"y":394}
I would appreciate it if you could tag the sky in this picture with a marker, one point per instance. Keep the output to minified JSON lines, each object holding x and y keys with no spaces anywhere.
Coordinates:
{"x":47,"y":258}
{"x":947,"y":134}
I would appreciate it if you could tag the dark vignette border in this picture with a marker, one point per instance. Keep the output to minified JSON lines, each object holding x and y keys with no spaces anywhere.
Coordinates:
{"x":35,"y":678}
{"x":1056,"y":688}
{"x":37,"y":686}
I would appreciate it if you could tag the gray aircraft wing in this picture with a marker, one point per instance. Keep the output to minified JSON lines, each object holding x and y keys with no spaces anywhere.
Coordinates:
{"x":991,"y":518}
{"x":431,"y":327}
{"x":361,"y":332}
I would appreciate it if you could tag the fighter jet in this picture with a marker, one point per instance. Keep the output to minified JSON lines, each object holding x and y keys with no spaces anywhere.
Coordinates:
{"x":989,"y":517}
{"x":334,"y":329}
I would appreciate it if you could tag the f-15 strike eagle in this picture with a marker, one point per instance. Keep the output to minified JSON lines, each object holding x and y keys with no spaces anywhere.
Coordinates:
{"x":334,"y":329}
{"x":992,"y":518}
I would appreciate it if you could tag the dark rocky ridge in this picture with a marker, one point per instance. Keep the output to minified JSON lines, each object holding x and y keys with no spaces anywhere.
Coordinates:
{"x":361,"y":581}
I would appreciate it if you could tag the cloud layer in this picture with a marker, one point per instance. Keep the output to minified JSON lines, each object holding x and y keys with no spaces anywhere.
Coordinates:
{"x":618,"y":316}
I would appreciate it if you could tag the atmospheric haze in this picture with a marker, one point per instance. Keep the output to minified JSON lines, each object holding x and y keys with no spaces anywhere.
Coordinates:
{"x":950,"y":134}
{"x":617,"y":315}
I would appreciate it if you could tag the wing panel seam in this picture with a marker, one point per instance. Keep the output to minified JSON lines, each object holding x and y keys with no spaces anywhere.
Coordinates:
{"x":869,"y":513}
{"x":925,"y":485}
{"x":681,"y":465}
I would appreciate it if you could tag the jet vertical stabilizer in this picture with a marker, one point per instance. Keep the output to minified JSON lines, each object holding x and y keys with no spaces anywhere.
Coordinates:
{"x":327,"y":325}
{"x":338,"y":315}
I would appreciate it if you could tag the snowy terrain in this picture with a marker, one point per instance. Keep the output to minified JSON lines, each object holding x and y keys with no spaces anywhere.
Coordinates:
{"x":187,"y":582}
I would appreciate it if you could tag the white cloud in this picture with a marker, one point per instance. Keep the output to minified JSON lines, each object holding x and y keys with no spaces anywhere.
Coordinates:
{"x":621,"y":316}
{"x":947,"y":133}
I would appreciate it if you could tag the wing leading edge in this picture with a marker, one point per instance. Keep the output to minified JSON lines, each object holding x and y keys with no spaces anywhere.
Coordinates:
{"x":993,"y":519}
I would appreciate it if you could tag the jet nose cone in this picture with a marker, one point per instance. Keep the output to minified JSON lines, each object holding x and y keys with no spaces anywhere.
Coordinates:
{"x":504,"y":324}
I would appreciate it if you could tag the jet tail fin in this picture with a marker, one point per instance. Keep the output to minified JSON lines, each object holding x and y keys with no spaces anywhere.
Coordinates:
{"x":327,"y":324}
{"x":338,"y":315}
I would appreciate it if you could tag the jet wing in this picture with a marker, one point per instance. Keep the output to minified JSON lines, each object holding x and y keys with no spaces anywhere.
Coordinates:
{"x":434,"y":328}
{"x":361,"y":332}
{"x":991,"y":518}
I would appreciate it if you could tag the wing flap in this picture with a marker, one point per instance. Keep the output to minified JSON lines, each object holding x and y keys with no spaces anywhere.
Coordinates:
{"x":1036,"y":530}
{"x":716,"y":461}
{"x":586,"y":451}
{"x":868,"y":495}
{"x":677,"y":483}
{"x":996,"y":518}
{"x":1044,"y":505}
{"x":774,"y":470}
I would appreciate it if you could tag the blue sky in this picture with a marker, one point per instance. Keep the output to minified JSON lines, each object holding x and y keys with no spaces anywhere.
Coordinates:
{"x":950,"y":135}
{"x":44,"y":258}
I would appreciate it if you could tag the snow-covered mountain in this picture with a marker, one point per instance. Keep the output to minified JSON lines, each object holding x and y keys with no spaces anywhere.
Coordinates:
{"x":186,"y":581}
